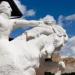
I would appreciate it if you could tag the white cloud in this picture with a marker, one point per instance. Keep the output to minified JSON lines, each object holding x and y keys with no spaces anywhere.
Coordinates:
{"x":68,"y":23}
{"x":24,"y":9}
{"x":30,"y":12}
{"x":60,"y":20}
{"x":70,"y":17}
{"x":66,"y":20}
{"x":69,"y":49}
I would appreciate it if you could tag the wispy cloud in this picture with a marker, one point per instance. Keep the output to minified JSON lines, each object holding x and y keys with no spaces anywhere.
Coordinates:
{"x":70,"y":17}
{"x":69,"y":49}
{"x":60,"y":20}
{"x":30,"y":12}
{"x":24,"y":10}
{"x":66,"y":20}
{"x":68,"y":23}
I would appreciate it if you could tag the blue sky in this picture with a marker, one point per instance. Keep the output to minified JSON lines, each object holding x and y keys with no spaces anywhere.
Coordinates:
{"x":54,"y":8}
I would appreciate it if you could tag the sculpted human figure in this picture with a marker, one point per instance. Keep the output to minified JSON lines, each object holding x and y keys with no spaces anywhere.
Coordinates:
{"x":7,"y":24}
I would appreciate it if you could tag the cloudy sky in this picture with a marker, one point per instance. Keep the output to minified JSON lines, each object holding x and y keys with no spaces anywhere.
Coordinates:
{"x":62,"y":10}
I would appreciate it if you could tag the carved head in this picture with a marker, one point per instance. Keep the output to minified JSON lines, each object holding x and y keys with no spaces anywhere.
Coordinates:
{"x":5,"y":8}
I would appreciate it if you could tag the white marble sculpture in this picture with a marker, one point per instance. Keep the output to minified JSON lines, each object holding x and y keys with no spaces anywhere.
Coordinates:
{"x":21,"y":57}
